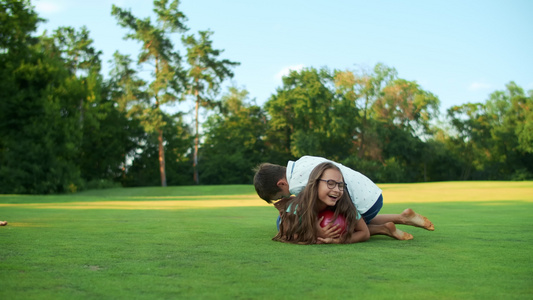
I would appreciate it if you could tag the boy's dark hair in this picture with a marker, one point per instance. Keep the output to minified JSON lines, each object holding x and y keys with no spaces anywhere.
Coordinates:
{"x":266,"y":178}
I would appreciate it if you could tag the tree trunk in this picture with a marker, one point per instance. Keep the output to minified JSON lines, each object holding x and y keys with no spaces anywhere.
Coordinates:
{"x":162,"y":159}
{"x":425,"y":172}
{"x":162,"y":171}
{"x":196,"y":141}
{"x":361,"y":151}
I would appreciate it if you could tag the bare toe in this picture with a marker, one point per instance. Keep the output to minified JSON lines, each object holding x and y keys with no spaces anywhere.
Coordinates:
{"x":397,"y":233}
{"x":417,"y":220}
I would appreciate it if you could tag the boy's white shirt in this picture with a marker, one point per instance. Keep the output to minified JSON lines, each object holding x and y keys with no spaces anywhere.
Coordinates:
{"x":363,"y":192}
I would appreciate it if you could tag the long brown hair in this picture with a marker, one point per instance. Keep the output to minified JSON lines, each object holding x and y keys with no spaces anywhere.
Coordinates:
{"x":299,"y":214}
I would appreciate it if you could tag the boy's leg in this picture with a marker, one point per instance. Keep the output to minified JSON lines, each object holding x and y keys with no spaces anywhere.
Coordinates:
{"x":386,"y":228}
{"x":407,"y":217}
{"x":389,"y":229}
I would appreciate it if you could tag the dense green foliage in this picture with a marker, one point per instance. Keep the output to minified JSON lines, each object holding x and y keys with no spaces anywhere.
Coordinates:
{"x":206,"y":74}
{"x":64,"y":126}
{"x":158,"y":52}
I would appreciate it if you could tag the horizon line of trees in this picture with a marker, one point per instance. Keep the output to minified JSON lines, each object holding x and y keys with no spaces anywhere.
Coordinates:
{"x":65,"y":128}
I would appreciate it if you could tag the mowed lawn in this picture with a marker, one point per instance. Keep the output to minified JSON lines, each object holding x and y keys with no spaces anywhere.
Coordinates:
{"x":214,"y":242}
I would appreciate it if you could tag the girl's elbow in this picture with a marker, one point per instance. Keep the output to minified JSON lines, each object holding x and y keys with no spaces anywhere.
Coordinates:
{"x":366,"y":237}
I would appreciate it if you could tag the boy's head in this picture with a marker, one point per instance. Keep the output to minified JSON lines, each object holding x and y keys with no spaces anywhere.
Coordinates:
{"x":270,"y":182}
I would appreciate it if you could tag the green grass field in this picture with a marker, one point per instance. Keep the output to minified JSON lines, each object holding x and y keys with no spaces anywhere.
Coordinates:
{"x":214,"y":242}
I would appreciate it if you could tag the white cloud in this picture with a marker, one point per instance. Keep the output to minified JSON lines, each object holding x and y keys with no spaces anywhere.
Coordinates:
{"x":49,"y":7}
{"x":476,"y":86}
{"x":286,"y":70}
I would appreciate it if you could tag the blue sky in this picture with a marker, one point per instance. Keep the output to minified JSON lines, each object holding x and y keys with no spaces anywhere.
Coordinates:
{"x":460,"y":51}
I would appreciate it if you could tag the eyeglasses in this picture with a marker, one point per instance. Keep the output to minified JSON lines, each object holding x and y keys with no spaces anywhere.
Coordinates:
{"x":332,"y":183}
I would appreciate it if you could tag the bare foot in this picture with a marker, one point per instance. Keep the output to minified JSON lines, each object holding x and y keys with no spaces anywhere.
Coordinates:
{"x":396,"y":233}
{"x":417,"y":220}
{"x":3,"y":223}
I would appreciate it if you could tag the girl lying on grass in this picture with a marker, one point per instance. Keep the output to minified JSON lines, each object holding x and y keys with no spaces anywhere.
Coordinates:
{"x":299,"y":214}
{"x":273,"y":182}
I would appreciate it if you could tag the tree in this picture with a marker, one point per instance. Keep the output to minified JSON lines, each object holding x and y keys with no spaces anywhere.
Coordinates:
{"x":206,"y":74}
{"x":157,"y":50}
{"x":307,"y":116}
{"x":394,"y":116}
{"x":490,"y":136}
{"x":404,"y":112}
{"x":510,"y":113}
{"x":17,"y":21}
{"x":233,"y":140}
{"x":364,"y":88}
{"x":472,"y":135}
{"x":405,"y":105}
{"x":143,"y":168}
{"x":127,"y":89}
{"x":38,"y":112}
{"x":103,"y":129}
{"x":128,"y":94}
{"x":442,"y":161}
{"x":76,"y":50}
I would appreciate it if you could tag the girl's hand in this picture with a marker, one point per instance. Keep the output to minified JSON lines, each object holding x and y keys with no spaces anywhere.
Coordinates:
{"x":331,"y":230}
{"x":328,"y":240}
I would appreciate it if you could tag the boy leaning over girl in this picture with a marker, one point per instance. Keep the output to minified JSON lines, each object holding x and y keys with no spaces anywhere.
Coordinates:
{"x":273,"y":182}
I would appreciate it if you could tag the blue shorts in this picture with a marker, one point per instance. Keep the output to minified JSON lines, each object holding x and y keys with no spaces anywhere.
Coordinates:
{"x":374,"y":210}
{"x":368,"y":216}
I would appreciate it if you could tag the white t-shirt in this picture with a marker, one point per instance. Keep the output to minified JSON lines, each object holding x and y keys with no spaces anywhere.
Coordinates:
{"x":363,"y":192}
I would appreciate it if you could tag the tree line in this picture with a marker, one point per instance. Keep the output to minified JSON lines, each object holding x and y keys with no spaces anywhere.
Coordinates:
{"x":65,"y":127}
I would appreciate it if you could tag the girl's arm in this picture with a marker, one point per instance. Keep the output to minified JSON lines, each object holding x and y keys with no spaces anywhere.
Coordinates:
{"x":360,"y":234}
